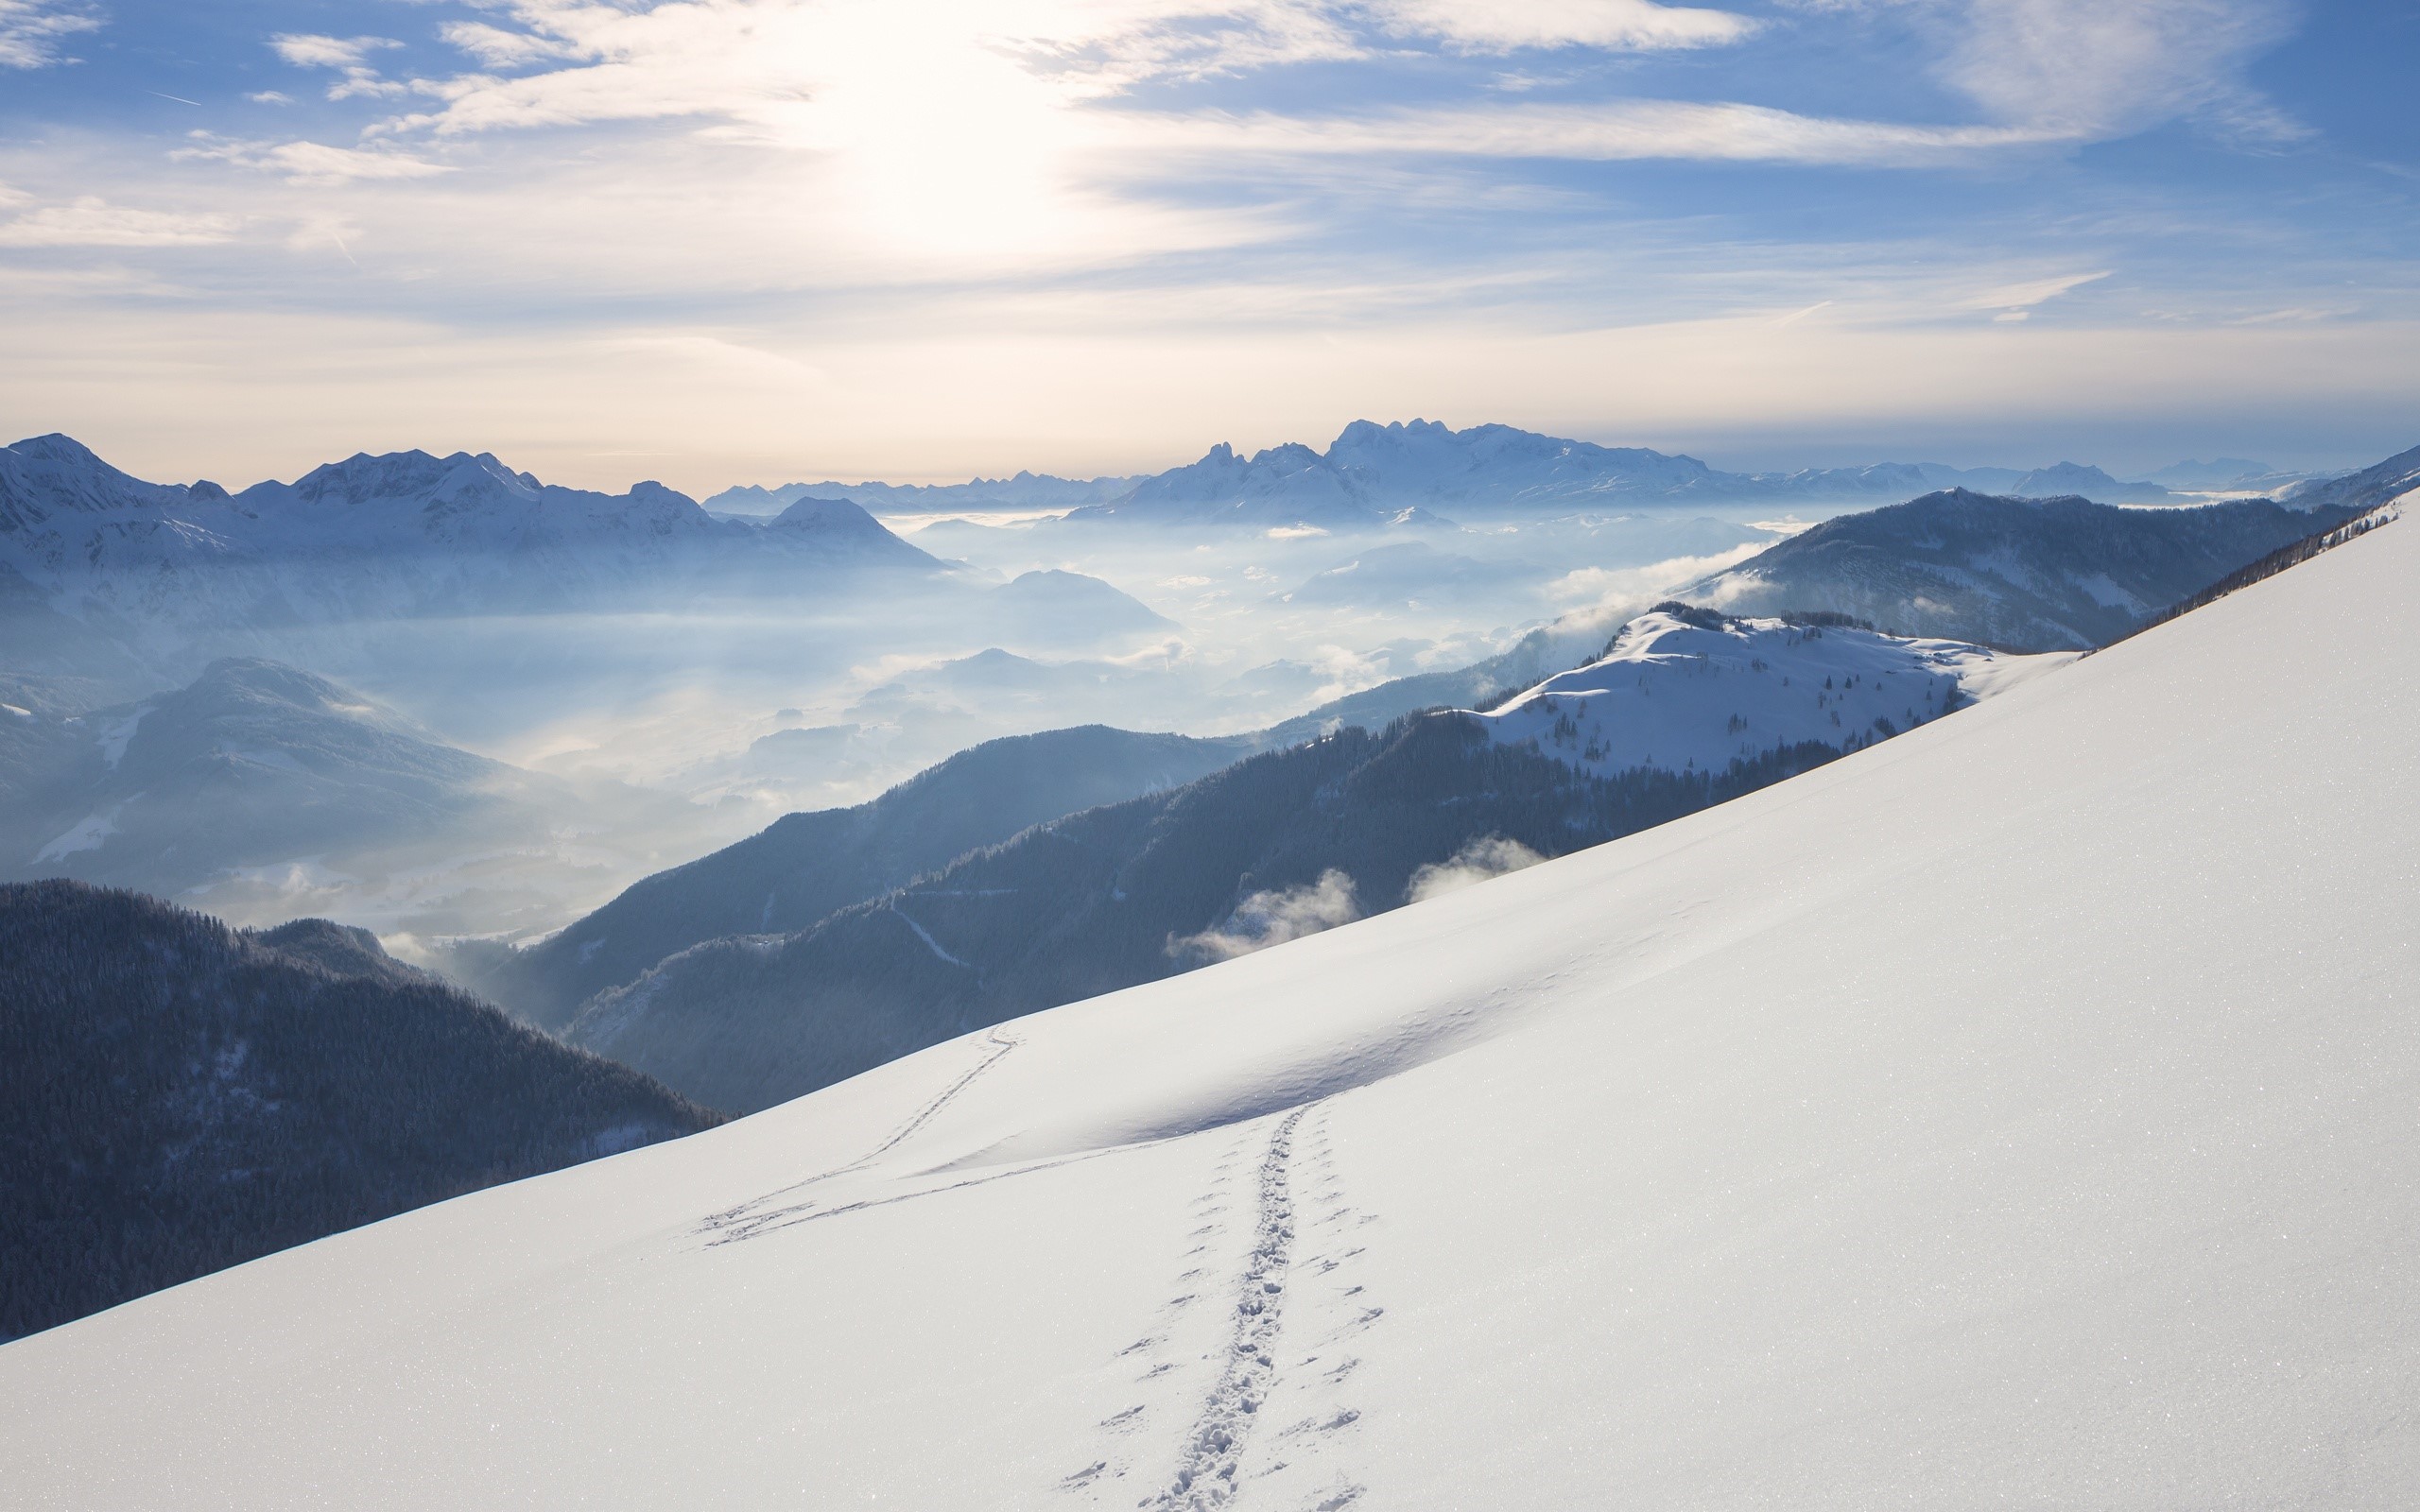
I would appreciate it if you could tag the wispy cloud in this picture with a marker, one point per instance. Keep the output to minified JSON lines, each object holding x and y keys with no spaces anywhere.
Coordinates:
{"x":1613,"y":130}
{"x":311,"y":163}
{"x":2015,"y":301}
{"x":30,"y":31}
{"x":94,"y":222}
{"x":2089,"y":70}
{"x":1509,"y":25}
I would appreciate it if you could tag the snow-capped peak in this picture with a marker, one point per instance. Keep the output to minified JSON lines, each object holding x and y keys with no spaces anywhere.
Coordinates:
{"x":1692,"y":691}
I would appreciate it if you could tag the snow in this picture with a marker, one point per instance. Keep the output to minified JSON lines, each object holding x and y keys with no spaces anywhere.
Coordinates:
{"x":1684,"y":697}
{"x":2017,"y":1112}
{"x":87,"y":836}
{"x":114,"y":740}
{"x":922,"y":933}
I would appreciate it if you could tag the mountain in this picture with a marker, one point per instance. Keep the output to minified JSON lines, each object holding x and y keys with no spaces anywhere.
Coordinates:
{"x":2018,"y":1113}
{"x":180,"y":1097}
{"x":88,"y":553}
{"x":257,"y":784}
{"x":251,"y":763}
{"x":807,"y":865}
{"x":2219,"y":472}
{"x":1370,"y":473}
{"x":2074,"y":479}
{"x":2385,"y":483}
{"x":1351,"y":824}
{"x":2031,"y":574}
{"x":1026,"y":490}
{"x":1050,"y":607}
{"x":1684,"y":688}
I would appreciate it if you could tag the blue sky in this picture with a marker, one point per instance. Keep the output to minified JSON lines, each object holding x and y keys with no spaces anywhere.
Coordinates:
{"x":725,"y":240}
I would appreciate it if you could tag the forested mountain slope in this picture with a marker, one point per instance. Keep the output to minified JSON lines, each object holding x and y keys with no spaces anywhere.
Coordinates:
{"x":2035,"y":574}
{"x":178,"y":1096}
{"x":807,"y":866}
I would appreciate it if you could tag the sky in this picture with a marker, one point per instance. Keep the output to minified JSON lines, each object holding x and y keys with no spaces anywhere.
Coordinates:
{"x":722,"y":241}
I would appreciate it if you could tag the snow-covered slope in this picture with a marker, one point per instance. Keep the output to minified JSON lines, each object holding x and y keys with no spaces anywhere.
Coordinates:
{"x":2017,"y":1113}
{"x":1697,"y":694}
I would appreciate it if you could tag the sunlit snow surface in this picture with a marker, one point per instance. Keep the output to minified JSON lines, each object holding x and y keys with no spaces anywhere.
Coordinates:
{"x":1690,"y":697}
{"x":2018,"y":1113}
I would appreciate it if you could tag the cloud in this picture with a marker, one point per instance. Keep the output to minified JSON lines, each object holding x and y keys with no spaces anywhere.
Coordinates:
{"x":348,"y":56}
{"x":1613,"y":130}
{"x":92,"y":222}
{"x":310,"y":50}
{"x":2015,"y":301}
{"x":1503,"y":26}
{"x":311,"y":163}
{"x":1488,"y":856}
{"x":1272,"y":918}
{"x":1629,"y":588}
{"x":30,"y":31}
{"x":269,"y":97}
{"x":498,"y":48}
{"x":2089,"y":70}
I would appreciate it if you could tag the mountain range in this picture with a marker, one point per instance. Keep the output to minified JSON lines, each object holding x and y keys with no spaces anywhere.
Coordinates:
{"x":179,"y":1097}
{"x":2015,"y":1113}
{"x":100,"y":571}
{"x":1374,"y":477}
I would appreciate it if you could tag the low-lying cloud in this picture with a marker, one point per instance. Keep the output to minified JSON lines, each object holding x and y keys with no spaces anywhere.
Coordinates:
{"x":1274,"y":916}
{"x":1491,"y":855}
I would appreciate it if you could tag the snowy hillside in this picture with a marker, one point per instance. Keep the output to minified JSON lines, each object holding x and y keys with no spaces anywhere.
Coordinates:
{"x":1698,"y":693}
{"x":2015,"y":1113}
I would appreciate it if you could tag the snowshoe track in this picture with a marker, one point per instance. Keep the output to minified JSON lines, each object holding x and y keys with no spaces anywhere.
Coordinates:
{"x":1206,"y":1469}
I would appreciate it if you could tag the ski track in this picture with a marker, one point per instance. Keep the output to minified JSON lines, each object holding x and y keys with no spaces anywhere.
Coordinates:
{"x":752,"y":1218}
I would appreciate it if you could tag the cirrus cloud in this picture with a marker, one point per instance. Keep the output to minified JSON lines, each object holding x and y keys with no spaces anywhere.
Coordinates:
{"x":30,"y":31}
{"x":90,"y":221}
